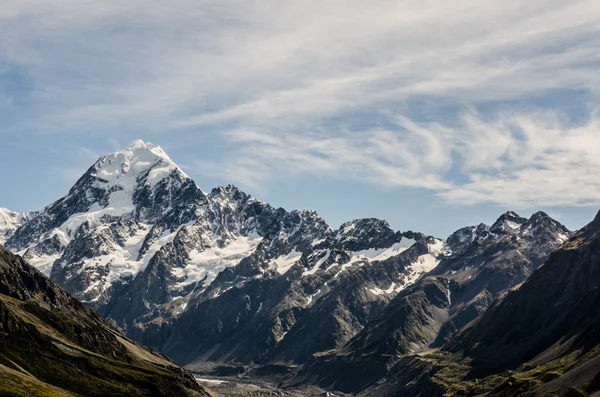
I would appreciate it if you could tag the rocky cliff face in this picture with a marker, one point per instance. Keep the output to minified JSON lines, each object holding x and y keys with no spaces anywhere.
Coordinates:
{"x":53,"y":345}
{"x":285,"y":310}
{"x":556,"y":309}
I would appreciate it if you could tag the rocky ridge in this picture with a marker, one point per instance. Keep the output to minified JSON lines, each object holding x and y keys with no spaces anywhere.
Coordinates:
{"x":479,"y":264}
{"x":538,"y":339}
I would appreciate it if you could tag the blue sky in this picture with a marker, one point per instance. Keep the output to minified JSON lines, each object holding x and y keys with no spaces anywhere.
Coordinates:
{"x":432,"y":115}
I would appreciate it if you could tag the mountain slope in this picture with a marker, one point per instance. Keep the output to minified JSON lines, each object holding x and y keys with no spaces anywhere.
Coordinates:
{"x":50,"y":344}
{"x":479,"y":264}
{"x":554,"y":315}
{"x":276,"y":312}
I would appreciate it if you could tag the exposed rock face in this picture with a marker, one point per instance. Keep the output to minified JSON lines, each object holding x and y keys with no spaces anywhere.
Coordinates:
{"x":559,"y":304}
{"x":480,"y":263}
{"x":53,"y":345}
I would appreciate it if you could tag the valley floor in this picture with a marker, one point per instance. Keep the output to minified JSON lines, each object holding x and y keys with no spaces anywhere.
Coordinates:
{"x":235,"y":387}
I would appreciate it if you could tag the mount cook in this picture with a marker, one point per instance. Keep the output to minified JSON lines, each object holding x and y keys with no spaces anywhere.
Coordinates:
{"x":135,"y":233}
{"x":224,"y":278}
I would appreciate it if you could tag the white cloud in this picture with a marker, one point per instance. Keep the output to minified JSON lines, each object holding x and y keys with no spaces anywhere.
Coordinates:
{"x":409,"y":157}
{"x":192,"y":63}
{"x":317,"y":86}
{"x":529,"y":160}
{"x":522,"y":160}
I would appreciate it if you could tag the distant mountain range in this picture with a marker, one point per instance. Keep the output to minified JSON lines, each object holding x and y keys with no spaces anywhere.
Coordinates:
{"x":226,"y":284}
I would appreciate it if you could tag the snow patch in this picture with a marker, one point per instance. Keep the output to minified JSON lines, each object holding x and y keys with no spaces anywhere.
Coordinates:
{"x":512,"y":225}
{"x":311,"y":297}
{"x":377,"y":291}
{"x":562,"y":237}
{"x":381,"y":254}
{"x":211,"y":261}
{"x":424,"y":263}
{"x":285,"y":262}
{"x":213,"y":381}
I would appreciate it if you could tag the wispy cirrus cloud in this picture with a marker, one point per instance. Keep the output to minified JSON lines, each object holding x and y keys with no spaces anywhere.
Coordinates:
{"x":521,"y":160}
{"x":529,"y":160}
{"x":470,"y":99}
{"x":413,"y":157}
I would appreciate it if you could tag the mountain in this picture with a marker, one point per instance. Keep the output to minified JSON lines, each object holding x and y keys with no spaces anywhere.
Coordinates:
{"x":137,"y":240}
{"x":479,"y":264}
{"x":10,"y":221}
{"x":134,"y":218}
{"x":549,"y":324}
{"x":105,"y":220}
{"x":539,"y":339}
{"x":52,"y":345}
{"x":227,"y":284}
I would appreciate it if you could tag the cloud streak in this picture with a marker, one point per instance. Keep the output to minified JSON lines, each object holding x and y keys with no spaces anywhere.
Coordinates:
{"x":461,"y":98}
{"x":517,"y":160}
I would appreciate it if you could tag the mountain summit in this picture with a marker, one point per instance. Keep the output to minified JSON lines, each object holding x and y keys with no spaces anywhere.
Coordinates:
{"x":106,"y":216}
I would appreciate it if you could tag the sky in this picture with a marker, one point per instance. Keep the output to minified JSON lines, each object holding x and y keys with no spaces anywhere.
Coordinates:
{"x":431,"y":114}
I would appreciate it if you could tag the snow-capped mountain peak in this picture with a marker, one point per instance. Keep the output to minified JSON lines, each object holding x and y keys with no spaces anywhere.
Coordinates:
{"x":11,"y":221}
{"x":137,"y":192}
{"x":508,"y":222}
{"x":138,"y":162}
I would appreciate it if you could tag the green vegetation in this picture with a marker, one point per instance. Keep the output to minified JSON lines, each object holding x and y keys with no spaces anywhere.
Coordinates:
{"x":449,"y":374}
{"x":49,"y":355}
{"x":51,"y":345}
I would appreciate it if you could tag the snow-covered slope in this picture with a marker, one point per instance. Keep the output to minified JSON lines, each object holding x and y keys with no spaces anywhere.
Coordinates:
{"x":135,"y":226}
{"x":106,"y":225}
{"x":11,"y":221}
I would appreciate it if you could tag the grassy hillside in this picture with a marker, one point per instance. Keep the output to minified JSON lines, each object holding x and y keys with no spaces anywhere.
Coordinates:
{"x":51,"y":345}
